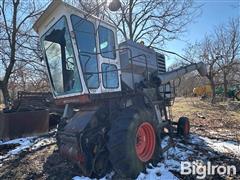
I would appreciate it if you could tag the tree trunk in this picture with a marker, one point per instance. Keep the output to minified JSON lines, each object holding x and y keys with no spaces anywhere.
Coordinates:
{"x":130,"y":27}
{"x":213,"y":93}
{"x":213,"y":86}
{"x":225,"y":84}
{"x":5,"y":93}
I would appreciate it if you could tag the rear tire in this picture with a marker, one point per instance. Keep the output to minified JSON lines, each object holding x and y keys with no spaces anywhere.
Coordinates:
{"x":237,"y":95}
{"x":183,"y":127}
{"x":127,"y":159}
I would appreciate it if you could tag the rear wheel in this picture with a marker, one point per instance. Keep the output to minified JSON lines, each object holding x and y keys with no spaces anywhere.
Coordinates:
{"x":183,"y":127}
{"x":145,"y":141}
{"x":132,"y":142}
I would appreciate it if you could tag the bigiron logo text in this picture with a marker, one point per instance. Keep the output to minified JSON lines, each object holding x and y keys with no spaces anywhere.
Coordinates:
{"x":202,"y":170}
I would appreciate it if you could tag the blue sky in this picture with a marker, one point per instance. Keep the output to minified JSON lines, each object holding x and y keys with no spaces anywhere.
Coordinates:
{"x":214,"y":12}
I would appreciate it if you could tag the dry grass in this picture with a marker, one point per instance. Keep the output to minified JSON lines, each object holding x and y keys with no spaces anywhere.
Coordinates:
{"x":208,"y":119}
{"x":1,"y":106}
{"x":194,"y":106}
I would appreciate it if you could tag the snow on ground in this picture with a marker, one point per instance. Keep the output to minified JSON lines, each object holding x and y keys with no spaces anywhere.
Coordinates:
{"x":154,"y":173}
{"x":223,"y":146}
{"x":159,"y":173}
{"x":172,"y":158}
{"x":42,"y":142}
{"x":220,"y":146}
{"x":22,"y":144}
{"x":107,"y":177}
{"x":184,"y":152}
{"x":191,"y":151}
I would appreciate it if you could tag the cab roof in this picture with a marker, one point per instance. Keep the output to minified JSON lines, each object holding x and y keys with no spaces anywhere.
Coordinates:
{"x":55,"y":4}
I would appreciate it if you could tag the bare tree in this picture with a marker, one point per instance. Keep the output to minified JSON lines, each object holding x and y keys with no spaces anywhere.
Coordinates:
{"x":205,"y":51}
{"x":228,"y":48}
{"x":153,"y":21}
{"x":210,"y":57}
{"x":220,"y":51}
{"x":184,"y":85}
{"x":234,"y":75}
{"x":93,"y":7}
{"x":16,"y":32}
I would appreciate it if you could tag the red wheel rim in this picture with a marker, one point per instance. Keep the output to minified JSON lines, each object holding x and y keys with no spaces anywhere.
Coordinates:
{"x":145,"y":142}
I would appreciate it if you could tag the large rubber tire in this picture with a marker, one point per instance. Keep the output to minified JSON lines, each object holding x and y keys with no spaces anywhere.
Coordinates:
{"x":122,"y":142}
{"x":183,"y":127}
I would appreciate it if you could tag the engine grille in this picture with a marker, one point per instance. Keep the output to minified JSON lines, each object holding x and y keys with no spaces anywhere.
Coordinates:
{"x":161,"y":64}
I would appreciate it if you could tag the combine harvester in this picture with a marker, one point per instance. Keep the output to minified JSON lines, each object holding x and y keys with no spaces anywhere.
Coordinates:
{"x":117,"y":97}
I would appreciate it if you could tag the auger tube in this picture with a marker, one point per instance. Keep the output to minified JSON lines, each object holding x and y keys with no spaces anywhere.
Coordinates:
{"x":177,"y":73}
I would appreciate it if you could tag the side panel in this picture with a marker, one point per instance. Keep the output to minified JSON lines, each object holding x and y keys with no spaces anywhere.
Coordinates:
{"x":23,"y":124}
{"x":137,"y":61}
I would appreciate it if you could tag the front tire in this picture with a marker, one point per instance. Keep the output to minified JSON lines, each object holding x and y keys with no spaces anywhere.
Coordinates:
{"x":132,"y":142}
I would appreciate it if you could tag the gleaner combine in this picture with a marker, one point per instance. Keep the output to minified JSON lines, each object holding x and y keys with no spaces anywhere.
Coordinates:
{"x":117,"y":97}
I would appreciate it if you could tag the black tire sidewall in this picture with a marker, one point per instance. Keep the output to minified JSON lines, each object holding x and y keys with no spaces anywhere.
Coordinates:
{"x":238,"y":95}
{"x":133,"y":163}
{"x":182,"y":122}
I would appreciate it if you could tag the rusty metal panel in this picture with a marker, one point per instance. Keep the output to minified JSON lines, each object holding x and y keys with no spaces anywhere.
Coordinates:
{"x":22,"y":124}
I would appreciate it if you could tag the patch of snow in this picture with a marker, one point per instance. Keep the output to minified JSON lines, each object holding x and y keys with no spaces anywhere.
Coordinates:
{"x":197,"y":148}
{"x":107,"y":177}
{"x":174,"y":156}
{"x":32,"y":143}
{"x":184,"y":152}
{"x":80,"y":178}
{"x":158,"y":173}
{"x":165,"y":142}
{"x":18,"y":141}
{"x":43,"y":142}
{"x":172,"y":164}
{"x":24,"y":143}
{"x":195,"y":139}
{"x":217,"y":145}
{"x":223,"y":146}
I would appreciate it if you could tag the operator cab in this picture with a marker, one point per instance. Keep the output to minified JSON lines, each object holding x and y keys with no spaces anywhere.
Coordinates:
{"x":79,"y":52}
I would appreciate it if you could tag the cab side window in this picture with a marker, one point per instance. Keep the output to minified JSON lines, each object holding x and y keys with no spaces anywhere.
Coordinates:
{"x":107,"y":42}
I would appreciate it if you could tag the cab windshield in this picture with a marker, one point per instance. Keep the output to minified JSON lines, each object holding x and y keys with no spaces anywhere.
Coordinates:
{"x":60,"y":59}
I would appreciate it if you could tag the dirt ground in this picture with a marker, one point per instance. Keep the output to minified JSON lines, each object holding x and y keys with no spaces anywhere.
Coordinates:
{"x":207,"y":120}
{"x":45,"y":163}
{"x":213,"y":121}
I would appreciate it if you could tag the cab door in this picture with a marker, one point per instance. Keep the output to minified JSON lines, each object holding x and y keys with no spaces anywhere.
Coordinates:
{"x":109,"y":62}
